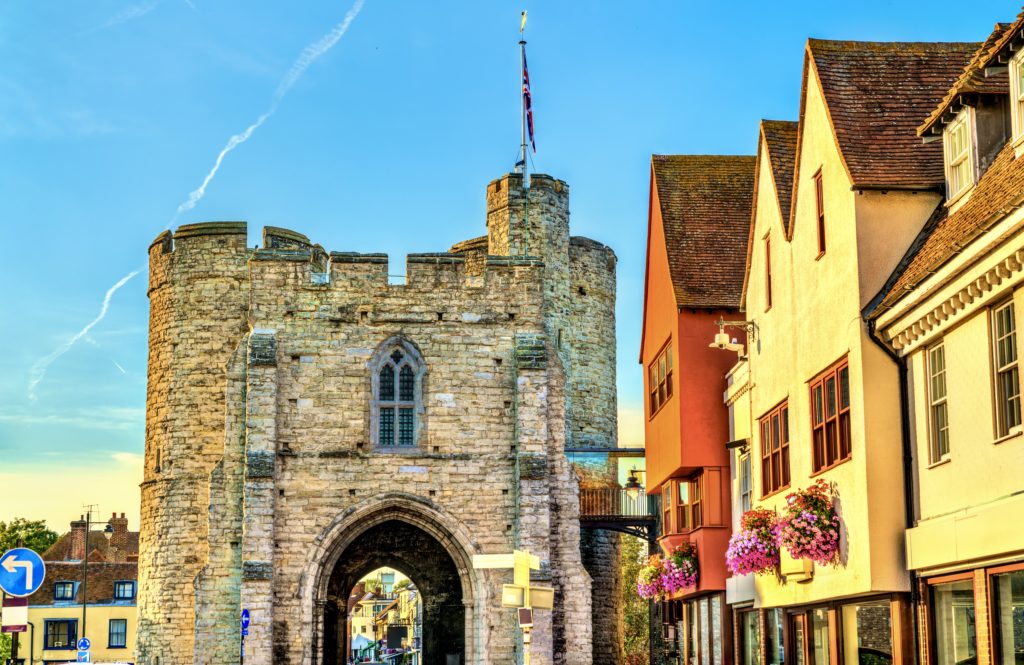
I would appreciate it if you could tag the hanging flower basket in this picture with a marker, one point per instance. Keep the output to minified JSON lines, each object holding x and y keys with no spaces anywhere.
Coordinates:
{"x":661,"y":576}
{"x":681,"y":568}
{"x":755,"y":547}
{"x":809,"y":526}
{"x":648,"y":580}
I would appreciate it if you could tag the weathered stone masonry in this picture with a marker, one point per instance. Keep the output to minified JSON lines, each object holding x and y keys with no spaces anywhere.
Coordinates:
{"x":260,"y":471}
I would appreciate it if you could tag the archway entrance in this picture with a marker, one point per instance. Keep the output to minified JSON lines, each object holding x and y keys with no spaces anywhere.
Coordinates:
{"x":416,"y":554}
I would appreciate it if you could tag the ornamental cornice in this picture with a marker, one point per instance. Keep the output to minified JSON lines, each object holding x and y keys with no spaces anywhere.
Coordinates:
{"x":732,"y":395}
{"x":952,"y":308}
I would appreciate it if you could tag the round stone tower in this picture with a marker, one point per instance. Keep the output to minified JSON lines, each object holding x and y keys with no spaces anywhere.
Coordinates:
{"x":198,"y":291}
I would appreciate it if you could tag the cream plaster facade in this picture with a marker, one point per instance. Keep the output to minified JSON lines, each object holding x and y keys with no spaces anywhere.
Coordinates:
{"x":965,"y":528}
{"x":813,"y":322}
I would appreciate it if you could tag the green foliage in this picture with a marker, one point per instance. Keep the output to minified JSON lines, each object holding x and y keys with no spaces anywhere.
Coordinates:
{"x":5,"y":647}
{"x":32,"y":534}
{"x":635,"y":608}
{"x":401,"y":584}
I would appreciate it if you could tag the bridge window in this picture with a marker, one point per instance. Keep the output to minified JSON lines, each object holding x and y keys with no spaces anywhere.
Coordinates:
{"x":397,"y":395}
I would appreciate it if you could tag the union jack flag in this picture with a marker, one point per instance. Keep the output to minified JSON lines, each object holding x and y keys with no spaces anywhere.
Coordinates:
{"x":527,"y":103}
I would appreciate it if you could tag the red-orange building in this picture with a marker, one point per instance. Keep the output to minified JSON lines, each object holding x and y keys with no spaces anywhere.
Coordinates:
{"x":698,"y":225}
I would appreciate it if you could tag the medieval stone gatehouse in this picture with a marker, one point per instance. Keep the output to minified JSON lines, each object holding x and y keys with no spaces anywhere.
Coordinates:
{"x":307,"y":422}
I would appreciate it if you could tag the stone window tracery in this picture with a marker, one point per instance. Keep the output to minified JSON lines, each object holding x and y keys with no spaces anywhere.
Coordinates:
{"x":396,"y":418}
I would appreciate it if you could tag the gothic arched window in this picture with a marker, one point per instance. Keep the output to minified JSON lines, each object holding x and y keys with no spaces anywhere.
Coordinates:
{"x":397,"y":395}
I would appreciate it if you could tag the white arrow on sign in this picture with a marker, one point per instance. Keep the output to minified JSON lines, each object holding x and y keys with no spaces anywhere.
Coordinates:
{"x":11,"y":564}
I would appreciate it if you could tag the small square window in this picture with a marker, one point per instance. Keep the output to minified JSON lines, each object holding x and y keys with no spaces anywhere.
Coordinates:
{"x":64,"y":591}
{"x":124,"y":590}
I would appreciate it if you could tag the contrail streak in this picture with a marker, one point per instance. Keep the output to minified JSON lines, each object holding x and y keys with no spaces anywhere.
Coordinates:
{"x":39,"y":368}
{"x":308,"y":56}
{"x":118,"y":366}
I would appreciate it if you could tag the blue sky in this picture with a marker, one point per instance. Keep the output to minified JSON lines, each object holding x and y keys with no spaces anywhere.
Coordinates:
{"x":112,"y":112}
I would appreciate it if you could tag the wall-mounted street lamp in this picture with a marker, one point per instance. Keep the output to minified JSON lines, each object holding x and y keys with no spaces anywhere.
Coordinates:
{"x":726,"y":343}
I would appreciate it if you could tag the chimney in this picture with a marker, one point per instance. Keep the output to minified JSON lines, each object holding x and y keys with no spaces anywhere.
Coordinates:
{"x":77,"y":552}
{"x":120,"y":537}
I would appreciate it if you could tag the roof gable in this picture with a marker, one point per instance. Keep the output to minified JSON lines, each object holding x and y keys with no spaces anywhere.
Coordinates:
{"x":875,"y":94}
{"x":776,"y":146}
{"x":705,"y":205}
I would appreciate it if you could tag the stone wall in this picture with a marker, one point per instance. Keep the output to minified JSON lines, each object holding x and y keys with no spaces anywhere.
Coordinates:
{"x":259,"y":449}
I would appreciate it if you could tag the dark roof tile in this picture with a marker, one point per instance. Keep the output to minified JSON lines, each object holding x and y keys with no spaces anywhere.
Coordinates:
{"x":780,"y":137}
{"x":705,"y":206}
{"x":876,"y":93}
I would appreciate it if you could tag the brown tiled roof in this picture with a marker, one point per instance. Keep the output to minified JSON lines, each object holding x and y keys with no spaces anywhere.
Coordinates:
{"x":705,"y":206}
{"x":999,"y":190}
{"x":100,"y":587}
{"x":780,"y":137}
{"x":99,"y":547}
{"x":972,"y":81}
{"x":876,"y":93}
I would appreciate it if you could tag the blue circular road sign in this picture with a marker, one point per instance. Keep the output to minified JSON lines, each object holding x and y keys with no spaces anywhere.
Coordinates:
{"x":245,"y":618}
{"x":84,"y":644}
{"x":21,"y":572}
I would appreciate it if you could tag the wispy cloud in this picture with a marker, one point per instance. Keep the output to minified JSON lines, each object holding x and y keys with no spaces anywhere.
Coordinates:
{"x":102,"y":418}
{"x":127,"y":14}
{"x":38,"y":370}
{"x":308,"y":56}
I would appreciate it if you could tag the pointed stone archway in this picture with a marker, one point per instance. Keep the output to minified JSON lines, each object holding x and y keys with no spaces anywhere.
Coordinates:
{"x":412,"y":536}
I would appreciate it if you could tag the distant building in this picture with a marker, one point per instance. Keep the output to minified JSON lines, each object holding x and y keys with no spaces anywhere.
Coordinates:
{"x":106,"y":585}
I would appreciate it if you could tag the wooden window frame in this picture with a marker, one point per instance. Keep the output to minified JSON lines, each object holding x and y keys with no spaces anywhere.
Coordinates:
{"x":119,"y":584}
{"x":819,"y":201}
{"x":683,"y":517}
{"x":1017,"y":96}
{"x":659,"y":378}
{"x":72,"y":637}
{"x":775,"y":478}
{"x":1002,"y":427}
{"x":667,"y":507}
{"x":767,"y":272}
{"x":934,"y":402}
{"x":697,"y":501}
{"x":822,"y":458}
{"x":952,"y":161}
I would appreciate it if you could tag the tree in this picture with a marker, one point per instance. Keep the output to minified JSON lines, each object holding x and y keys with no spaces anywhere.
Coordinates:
{"x":32,"y":534}
{"x":5,"y":647}
{"x":634,"y":607}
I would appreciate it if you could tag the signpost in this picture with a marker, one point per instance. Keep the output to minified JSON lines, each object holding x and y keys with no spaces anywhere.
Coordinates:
{"x":21,"y":572}
{"x":245,"y":631}
{"x":520,"y":595}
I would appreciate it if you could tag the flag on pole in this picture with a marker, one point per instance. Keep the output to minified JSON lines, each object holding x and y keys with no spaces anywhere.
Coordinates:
{"x":522,"y":26}
{"x":527,"y":103}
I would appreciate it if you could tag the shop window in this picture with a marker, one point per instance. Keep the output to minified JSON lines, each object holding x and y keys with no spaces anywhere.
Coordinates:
{"x":775,"y":450}
{"x":867,"y":633}
{"x":819,"y":637}
{"x":1008,"y":616}
{"x":830,"y":416}
{"x":938,"y":410}
{"x":1007,"y":388}
{"x":952,"y":606}
{"x":659,"y":378}
{"x":798,"y":638}
{"x":750,"y":637}
{"x":774,"y":644}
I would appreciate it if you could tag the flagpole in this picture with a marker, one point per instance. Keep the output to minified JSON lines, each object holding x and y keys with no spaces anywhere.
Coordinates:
{"x":522,"y":152}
